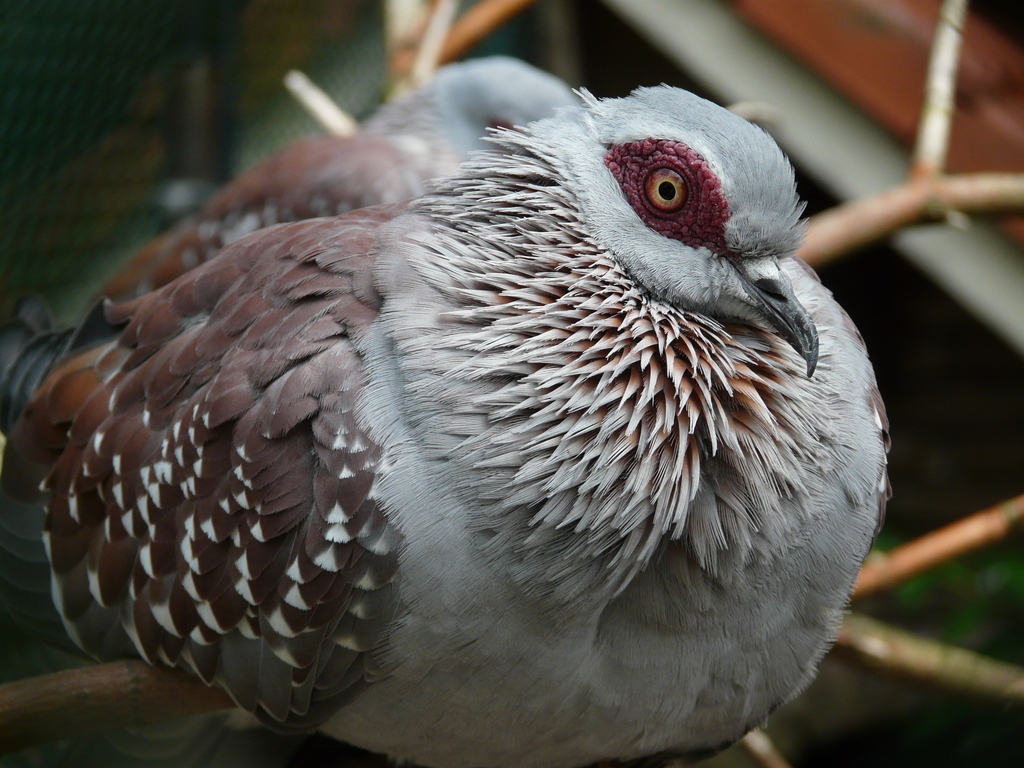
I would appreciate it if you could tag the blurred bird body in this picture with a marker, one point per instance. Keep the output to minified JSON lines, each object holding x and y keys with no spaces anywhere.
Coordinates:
{"x":421,"y":136}
{"x":527,"y":471}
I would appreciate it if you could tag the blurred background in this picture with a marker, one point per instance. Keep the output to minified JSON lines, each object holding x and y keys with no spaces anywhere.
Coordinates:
{"x":119,"y":117}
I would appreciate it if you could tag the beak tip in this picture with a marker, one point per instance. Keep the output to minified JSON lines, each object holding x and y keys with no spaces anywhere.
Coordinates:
{"x":808,"y":350}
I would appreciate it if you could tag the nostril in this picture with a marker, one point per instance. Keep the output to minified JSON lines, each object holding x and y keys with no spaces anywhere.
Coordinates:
{"x":771,"y":287}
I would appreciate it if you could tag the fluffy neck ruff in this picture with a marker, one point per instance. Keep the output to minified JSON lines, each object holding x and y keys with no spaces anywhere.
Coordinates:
{"x":618,"y":421}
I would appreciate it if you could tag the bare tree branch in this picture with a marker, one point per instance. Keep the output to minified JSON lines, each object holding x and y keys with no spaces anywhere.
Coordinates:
{"x":845,"y":228}
{"x":940,"y":90}
{"x":760,"y":747}
{"x":319,"y":105}
{"x":401,"y":20}
{"x":472,"y":27}
{"x":428,"y":55}
{"x":886,"y":570}
{"x":99,"y":697}
{"x":879,"y":646}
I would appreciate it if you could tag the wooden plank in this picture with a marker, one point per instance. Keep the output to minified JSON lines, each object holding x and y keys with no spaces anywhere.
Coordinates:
{"x":875,"y":52}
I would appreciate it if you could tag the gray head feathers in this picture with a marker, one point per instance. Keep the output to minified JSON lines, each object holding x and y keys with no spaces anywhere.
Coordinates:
{"x":468,"y":98}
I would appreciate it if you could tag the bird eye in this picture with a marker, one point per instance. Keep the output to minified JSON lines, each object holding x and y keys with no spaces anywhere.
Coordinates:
{"x":666,"y":190}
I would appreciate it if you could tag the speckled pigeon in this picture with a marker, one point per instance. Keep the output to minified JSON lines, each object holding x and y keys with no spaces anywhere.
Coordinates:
{"x":408,"y":141}
{"x":567,"y":460}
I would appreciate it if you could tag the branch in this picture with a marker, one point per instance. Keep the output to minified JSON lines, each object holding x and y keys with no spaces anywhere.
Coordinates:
{"x":760,"y":747}
{"x":472,"y":27}
{"x":883,"y":571}
{"x":319,"y":105}
{"x":428,"y":55}
{"x":940,"y":89}
{"x":81,"y":701}
{"x":875,"y":645}
{"x":847,"y":227}
{"x":401,"y":18}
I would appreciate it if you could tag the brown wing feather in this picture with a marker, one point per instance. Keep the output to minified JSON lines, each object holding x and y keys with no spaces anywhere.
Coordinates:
{"x":211,"y":495}
{"x":321,"y":176}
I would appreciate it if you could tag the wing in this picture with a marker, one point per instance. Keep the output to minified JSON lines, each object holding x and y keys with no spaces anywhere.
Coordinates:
{"x":872,"y":395}
{"x":321,"y":176}
{"x":209,"y":493}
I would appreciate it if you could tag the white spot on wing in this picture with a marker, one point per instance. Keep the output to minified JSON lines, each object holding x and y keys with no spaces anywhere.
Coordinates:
{"x":327,"y":560}
{"x":279,"y":625}
{"x":189,"y":584}
{"x":162,"y":614}
{"x":367,"y":582}
{"x":347,"y":640}
{"x":337,"y":515}
{"x":146,"y":558}
{"x":242,"y":587}
{"x":142,"y":504}
{"x":205,"y":611}
{"x":337,"y":534}
{"x":294,"y":598}
{"x":162,"y":471}
{"x":242,"y":564}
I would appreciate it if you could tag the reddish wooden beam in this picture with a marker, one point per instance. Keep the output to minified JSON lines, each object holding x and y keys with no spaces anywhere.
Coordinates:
{"x":875,"y":52}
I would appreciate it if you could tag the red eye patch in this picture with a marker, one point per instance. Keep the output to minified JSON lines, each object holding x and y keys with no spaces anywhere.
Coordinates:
{"x":673,"y":190}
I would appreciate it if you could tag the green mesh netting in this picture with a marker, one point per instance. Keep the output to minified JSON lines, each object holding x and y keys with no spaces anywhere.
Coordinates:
{"x":89,"y":91}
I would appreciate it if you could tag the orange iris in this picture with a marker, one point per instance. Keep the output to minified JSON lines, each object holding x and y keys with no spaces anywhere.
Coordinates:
{"x":666,"y":191}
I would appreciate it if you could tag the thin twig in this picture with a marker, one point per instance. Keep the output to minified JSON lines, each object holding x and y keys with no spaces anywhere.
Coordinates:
{"x":98,"y":697}
{"x":428,"y":56}
{"x":472,"y":27}
{"x":401,"y":17}
{"x":940,"y":90}
{"x":760,"y":747}
{"x":879,"y":646}
{"x":319,"y":105}
{"x":886,"y":570}
{"x":477,"y":23}
{"x":847,"y":227}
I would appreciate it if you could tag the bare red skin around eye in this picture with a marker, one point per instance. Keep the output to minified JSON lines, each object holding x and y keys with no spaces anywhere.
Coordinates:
{"x":701,"y":222}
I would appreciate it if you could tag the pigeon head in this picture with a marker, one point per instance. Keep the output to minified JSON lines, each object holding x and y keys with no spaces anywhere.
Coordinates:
{"x":493,"y":92}
{"x":696,"y":203}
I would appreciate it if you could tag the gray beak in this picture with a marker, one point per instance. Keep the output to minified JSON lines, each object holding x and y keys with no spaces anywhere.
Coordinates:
{"x":772,"y":292}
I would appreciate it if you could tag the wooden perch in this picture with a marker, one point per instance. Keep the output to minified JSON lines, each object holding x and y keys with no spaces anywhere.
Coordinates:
{"x":853,"y":225}
{"x":319,"y":105}
{"x":428,"y":54}
{"x":99,"y":697}
{"x":939,"y":93}
{"x":760,"y":747}
{"x":927,"y":195}
{"x":875,"y":645}
{"x":886,"y":570}
{"x":472,"y":27}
